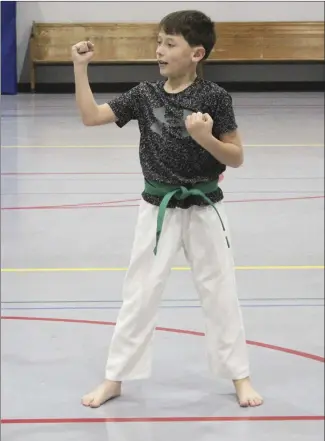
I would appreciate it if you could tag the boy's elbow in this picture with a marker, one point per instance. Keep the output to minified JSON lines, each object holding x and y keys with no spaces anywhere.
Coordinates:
{"x":238,"y":161}
{"x":88,"y":122}
{"x":103,"y":114}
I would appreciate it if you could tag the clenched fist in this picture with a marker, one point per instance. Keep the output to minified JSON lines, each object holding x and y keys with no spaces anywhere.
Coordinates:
{"x":82,"y":52}
{"x":199,"y":126}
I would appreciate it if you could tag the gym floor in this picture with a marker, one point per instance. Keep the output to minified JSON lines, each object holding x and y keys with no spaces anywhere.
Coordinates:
{"x":69,"y":197}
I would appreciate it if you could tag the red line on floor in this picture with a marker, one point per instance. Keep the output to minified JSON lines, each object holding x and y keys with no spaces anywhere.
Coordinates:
{"x":66,"y":173}
{"x":66,"y":207}
{"x":161,"y":419}
{"x":74,"y":206}
{"x":172,"y":330}
{"x":294,"y":198}
{"x":287,"y":351}
{"x":109,"y":204}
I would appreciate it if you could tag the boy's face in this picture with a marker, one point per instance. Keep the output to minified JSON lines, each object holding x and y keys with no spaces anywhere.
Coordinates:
{"x":175,"y":56}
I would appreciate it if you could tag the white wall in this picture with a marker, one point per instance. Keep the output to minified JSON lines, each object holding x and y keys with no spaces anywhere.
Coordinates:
{"x":153,"y":11}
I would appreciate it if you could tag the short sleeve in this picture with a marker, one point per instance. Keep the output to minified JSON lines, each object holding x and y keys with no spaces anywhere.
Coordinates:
{"x":126,"y":106}
{"x":224,"y":115}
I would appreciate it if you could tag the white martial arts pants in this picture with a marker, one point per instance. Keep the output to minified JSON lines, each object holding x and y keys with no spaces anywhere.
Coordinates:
{"x":199,"y":231}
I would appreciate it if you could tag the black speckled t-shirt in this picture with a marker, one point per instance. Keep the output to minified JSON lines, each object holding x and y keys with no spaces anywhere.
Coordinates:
{"x":168,"y":154}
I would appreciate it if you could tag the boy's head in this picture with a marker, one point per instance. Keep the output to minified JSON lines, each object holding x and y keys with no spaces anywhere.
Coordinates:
{"x":185,"y":39}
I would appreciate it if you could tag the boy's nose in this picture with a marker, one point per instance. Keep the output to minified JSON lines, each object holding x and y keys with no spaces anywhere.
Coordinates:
{"x":159,"y":52}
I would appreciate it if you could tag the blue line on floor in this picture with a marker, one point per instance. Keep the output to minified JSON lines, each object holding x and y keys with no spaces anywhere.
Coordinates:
{"x":88,"y":308}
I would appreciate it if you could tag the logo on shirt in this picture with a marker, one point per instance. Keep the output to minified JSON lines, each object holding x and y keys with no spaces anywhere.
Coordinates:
{"x":170,"y":121}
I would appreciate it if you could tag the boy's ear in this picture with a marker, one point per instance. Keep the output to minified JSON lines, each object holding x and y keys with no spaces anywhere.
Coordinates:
{"x":199,"y":53}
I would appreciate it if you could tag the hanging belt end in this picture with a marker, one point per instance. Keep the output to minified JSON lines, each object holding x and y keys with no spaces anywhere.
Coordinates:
{"x":157,"y":241}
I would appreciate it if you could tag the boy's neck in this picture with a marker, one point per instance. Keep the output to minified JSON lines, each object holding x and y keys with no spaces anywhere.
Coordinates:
{"x":178,"y":84}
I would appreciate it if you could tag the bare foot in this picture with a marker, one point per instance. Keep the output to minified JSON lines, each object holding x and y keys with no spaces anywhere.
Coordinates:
{"x":104,"y":392}
{"x":247,"y":396}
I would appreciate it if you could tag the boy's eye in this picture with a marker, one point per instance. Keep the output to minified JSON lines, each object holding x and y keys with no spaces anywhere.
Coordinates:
{"x":168,"y":44}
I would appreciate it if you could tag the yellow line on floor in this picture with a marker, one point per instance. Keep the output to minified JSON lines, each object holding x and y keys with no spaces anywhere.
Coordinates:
{"x":115,"y":269}
{"x":127,"y":146}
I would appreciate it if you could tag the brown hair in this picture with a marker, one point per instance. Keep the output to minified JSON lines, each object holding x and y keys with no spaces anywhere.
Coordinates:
{"x":195,"y":27}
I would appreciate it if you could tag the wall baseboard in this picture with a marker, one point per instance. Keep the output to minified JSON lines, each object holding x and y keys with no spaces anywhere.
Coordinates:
{"x":278,"y":86}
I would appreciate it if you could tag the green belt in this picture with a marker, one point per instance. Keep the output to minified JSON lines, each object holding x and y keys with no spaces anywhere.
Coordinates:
{"x":167,"y":192}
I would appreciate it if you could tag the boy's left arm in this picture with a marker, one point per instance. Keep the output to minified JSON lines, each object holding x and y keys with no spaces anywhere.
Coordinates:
{"x":218,"y":135}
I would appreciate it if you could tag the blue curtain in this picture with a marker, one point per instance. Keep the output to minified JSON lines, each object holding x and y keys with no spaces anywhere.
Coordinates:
{"x":8,"y":48}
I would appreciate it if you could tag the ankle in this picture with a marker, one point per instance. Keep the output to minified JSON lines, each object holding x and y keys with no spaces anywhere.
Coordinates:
{"x":241,"y":380}
{"x":117,"y":383}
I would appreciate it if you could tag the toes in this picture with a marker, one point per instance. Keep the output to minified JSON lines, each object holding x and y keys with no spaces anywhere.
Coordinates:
{"x":243,"y":403}
{"x":260,"y":401}
{"x":94,"y":404}
{"x":255,"y":402}
{"x":91,"y":402}
{"x":251,"y":402}
{"x":87,"y":401}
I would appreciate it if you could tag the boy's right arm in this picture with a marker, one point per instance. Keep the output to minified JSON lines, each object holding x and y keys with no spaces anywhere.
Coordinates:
{"x":92,"y":114}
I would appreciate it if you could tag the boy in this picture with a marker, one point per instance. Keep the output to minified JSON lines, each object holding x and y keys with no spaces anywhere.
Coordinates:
{"x":188,"y":137}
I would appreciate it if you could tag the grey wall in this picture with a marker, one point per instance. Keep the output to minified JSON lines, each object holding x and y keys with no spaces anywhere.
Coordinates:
{"x":150,"y":11}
